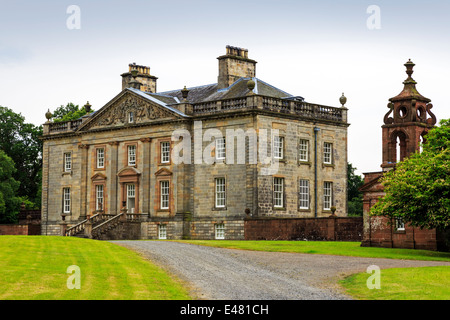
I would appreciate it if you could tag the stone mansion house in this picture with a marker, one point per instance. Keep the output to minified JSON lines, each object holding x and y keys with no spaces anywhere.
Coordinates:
{"x":194,"y":162}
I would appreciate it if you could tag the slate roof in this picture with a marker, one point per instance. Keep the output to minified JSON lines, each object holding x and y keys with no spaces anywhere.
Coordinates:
{"x":211,"y":92}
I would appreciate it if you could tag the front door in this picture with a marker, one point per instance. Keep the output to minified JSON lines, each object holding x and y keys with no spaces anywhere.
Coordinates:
{"x":131,"y":197}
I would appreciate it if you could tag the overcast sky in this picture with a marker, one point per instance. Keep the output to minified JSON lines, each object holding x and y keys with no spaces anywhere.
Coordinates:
{"x":315,"y":49}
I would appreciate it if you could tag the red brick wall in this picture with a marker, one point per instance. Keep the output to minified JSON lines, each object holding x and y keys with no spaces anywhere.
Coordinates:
{"x":20,"y":229}
{"x":380,"y":233}
{"x":334,"y":229}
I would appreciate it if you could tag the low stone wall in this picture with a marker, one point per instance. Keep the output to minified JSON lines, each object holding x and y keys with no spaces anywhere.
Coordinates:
{"x":123,"y":231}
{"x":183,"y":226}
{"x":319,"y":229}
{"x":29,"y":216}
{"x":20,"y":229}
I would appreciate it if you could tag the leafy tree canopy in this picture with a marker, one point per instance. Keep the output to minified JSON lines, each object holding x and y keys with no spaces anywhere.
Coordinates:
{"x":69,"y":112}
{"x":354,"y":196}
{"x":418,"y":190}
{"x":9,"y":202}
{"x":20,"y":141}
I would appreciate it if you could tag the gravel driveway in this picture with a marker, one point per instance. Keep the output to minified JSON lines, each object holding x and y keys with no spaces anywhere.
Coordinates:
{"x":229,"y":274}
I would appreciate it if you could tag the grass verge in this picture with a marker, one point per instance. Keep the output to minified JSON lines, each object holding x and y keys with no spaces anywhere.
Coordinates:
{"x":35,"y":268}
{"x":326,"y":247}
{"x":425,"y":283}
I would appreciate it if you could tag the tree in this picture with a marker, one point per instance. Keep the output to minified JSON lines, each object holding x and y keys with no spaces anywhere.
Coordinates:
{"x":354,"y":196}
{"x":418,"y":190}
{"x":69,"y":112}
{"x":20,"y":141}
{"x":9,"y":202}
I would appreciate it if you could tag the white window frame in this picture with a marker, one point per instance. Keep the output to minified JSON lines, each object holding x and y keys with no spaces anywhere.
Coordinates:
{"x":99,"y":197}
{"x":131,"y":155}
{"x":278,"y":192}
{"x":303,"y":150}
{"x":100,"y":158}
{"x":221,"y":148}
{"x":67,"y":162}
{"x":327,"y":195}
{"x":327,"y":153}
{"x":303,"y":194}
{"x":399,"y":224}
{"x":66,"y":200}
{"x":130,"y":117}
{"x":219,"y":231}
{"x":131,"y":194}
{"x":165,"y":152}
{"x":220,"y":192}
{"x":278,"y":147}
{"x":162,"y":231}
{"x":164,"y":190}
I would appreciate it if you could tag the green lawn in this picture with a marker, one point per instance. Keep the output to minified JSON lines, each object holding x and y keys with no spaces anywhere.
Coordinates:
{"x":35,"y":268}
{"x":426,"y":283}
{"x":327,"y":247}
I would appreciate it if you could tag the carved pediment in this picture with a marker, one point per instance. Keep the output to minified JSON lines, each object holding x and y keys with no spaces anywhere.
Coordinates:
{"x":98,"y":177}
{"x":117,"y":112}
{"x":128,"y":171}
{"x":374,"y":185}
{"x":163,"y":172}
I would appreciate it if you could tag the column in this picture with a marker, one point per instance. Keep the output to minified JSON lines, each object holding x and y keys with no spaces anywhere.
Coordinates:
{"x":84,"y":179}
{"x":112,"y":184}
{"x":145,"y":177}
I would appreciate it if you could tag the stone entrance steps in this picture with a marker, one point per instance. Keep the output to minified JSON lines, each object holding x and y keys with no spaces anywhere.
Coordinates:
{"x":100,"y":225}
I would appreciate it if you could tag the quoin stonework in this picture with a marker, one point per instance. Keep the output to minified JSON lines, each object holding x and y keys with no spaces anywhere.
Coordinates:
{"x":194,"y":162}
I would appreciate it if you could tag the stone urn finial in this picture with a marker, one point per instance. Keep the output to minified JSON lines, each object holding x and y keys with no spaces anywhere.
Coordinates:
{"x":333,"y":210}
{"x":48,"y":115}
{"x":251,"y":84}
{"x":87,"y":107}
{"x":343,"y":100}
{"x":185,"y":93}
{"x":409,"y":68}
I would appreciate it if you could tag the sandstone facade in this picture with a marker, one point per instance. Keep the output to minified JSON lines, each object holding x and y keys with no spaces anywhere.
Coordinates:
{"x":196,"y":199}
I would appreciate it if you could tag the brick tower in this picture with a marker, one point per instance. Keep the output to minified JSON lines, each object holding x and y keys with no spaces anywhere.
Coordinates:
{"x":407,"y":122}
{"x":405,"y":127}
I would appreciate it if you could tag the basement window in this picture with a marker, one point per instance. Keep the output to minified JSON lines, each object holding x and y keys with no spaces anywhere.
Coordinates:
{"x":162,"y":232}
{"x":219,"y":231}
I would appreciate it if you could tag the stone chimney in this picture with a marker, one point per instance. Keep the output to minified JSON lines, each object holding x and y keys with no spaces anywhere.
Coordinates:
{"x":233,"y":65}
{"x":147,"y":81}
